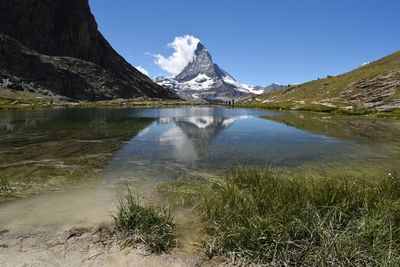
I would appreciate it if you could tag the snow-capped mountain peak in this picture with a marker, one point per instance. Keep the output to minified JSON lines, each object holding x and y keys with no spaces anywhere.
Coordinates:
{"x":203,"y":80}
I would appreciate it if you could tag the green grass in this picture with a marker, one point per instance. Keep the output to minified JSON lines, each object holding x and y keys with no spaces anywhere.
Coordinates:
{"x":4,"y":185}
{"x":308,"y":107}
{"x":397,"y":93}
{"x":148,"y":224}
{"x":20,"y":100}
{"x":330,"y":88}
{"x":340,"y":111}
{"x":316,"y":108}
{"x":7,"y":190}
{"x":390,"y":115}
{"x":264,"y":216}
{"x":272,"y":106}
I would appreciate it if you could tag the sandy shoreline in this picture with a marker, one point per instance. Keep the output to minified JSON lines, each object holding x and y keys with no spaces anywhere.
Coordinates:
{"x":74,"y":228}
{"x":82,"y":247}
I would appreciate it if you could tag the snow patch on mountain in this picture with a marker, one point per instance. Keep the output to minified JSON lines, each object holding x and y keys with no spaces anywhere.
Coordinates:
{"x":244,"y":88}
{"x":201,"y":82}
{"x":201,"y":79}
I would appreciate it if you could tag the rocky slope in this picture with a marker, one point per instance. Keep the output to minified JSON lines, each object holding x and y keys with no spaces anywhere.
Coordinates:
{"x":374,"y":85}
{"x":60,"y":39}
{"x":269,"y":88}
{"x":203,"y":80}
{"x":376,"y":92}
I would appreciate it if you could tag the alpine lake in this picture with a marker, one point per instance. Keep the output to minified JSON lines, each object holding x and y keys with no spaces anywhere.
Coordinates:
{"x":63,"y":167}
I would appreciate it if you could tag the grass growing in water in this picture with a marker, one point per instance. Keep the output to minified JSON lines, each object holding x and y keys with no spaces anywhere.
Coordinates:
{"x":5,"y":188}
{"x":4,"y":184}
{"x":148,"y":224}
{"x":263,"y":216}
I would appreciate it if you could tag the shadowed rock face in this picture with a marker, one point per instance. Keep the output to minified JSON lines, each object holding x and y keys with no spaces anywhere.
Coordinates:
{"x":66,"y":28}
{"x":22,"y":69}
{"x":201,"y":64}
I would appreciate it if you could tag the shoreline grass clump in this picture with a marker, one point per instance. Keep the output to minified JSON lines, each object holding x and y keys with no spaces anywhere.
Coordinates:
{"x":146,"y":224}
{"x":6,"y":189}
{"x":4,"y":185}
{"x":264,"y":216}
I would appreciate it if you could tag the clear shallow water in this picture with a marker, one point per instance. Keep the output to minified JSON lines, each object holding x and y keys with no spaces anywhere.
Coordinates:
{"x":101,"y":149}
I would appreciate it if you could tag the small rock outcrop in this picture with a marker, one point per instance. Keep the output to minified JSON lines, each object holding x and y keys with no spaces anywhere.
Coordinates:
{"x":61,"y":41}
{"x":374,"y":92}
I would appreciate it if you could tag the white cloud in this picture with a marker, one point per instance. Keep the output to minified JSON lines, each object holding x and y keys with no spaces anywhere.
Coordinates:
{"x":184,"y":47}
{"x":364,"y":64}
{"x":143,"y":70}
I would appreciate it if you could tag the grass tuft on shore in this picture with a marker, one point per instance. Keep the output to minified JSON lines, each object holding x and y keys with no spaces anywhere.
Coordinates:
{"x":263,"y":216}
{"x":4,"y":184}
{"x":6,"y":189}
{"x":146,"y":224}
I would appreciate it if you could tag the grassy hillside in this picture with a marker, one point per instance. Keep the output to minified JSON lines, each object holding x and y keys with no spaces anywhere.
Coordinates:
{"x":327,"y":92}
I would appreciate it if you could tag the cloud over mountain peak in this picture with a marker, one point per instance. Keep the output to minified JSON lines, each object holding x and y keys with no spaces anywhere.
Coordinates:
{"x":184,"y":48}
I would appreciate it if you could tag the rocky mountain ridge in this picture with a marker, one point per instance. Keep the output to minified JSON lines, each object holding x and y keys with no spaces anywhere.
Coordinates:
{"x":55,"y":46}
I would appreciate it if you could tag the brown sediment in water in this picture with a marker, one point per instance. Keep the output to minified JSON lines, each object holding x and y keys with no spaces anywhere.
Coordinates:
{"x":74,"y":228}
{"x":70,"y":224}
{"x":56,"y":211}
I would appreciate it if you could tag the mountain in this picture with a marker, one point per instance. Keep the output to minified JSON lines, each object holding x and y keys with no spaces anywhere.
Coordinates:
{"x":54,"y":47}
{"x":269,"y":88}
{"x":374,"y":85}
{"x":203,"y":80}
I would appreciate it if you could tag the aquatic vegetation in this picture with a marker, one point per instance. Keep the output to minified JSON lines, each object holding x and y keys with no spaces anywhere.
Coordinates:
{"x":144,"y":223}
{"x":4,"y":185}
{"x":264,"y":216}
{"x":186,"y":190}
{"x":7,"y":189}
{"x":55,"y":149}
{"x":357,"y":128}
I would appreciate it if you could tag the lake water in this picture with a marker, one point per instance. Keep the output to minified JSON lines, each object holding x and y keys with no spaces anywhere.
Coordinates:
{"x":65,"y":165}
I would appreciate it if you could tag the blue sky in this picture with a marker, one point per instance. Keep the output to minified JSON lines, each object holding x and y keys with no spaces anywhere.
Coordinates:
{"x":257,"y":41}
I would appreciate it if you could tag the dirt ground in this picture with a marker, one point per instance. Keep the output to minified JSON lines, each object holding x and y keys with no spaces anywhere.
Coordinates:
{"x":73,"y":228}
{"x":83,"y":247}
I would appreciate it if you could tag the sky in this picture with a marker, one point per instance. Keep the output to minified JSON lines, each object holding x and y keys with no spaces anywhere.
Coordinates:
{"x":257,"y":41}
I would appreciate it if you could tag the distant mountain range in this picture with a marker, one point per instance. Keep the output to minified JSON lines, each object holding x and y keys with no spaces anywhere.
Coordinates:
{"x":54,"y":48}
{"x":203,"y":80}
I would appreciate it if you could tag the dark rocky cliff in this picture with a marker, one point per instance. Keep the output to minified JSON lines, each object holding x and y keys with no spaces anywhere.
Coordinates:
{"x":66,"y":28}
